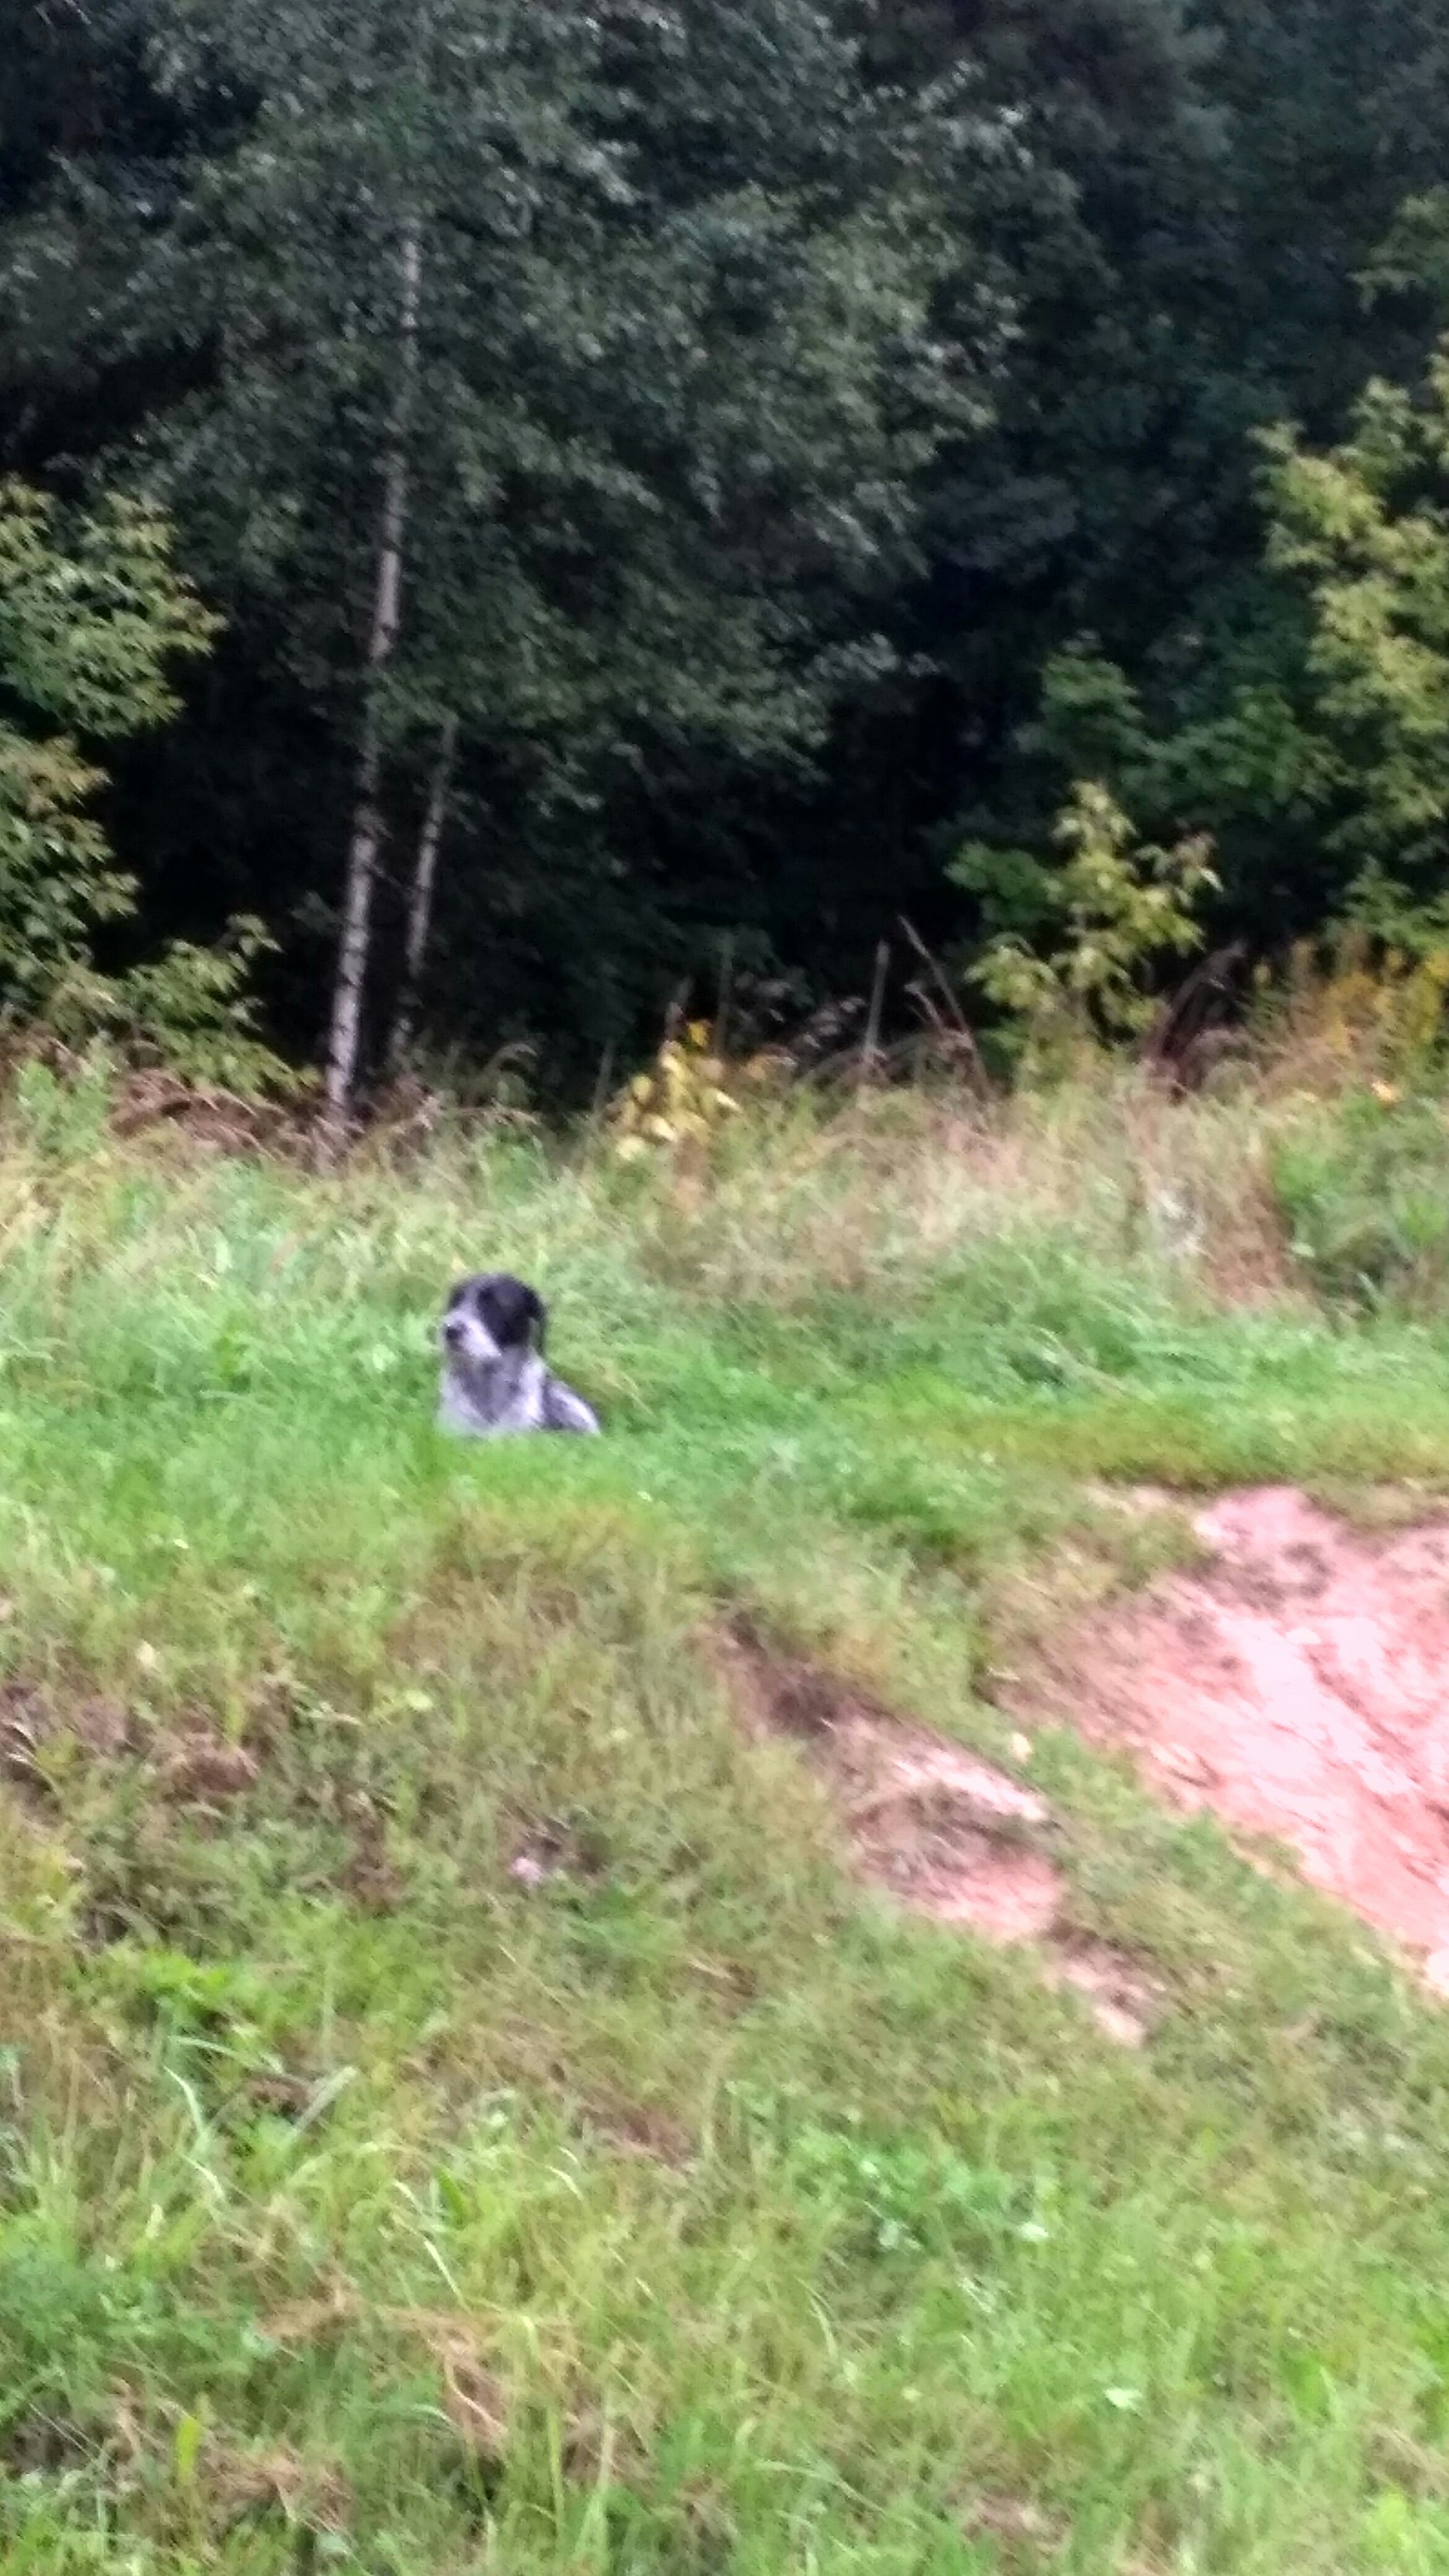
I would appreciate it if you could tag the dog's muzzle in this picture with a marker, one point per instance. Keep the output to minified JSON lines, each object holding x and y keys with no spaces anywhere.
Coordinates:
{"x":465,"y":1339}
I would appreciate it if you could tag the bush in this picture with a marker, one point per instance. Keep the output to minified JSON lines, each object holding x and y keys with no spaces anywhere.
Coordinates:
{"x":1364,"y":1187}
{"x":94,"y":615}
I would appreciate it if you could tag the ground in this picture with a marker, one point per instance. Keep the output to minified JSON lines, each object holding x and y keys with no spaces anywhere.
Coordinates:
{"x":493,"y":2076}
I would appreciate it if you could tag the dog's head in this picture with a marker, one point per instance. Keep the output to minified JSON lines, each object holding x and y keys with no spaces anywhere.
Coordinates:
{"x":488,"y":1316}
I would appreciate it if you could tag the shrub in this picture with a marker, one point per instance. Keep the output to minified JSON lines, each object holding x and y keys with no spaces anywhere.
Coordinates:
{"x":94,"y":614}
{"x":1119,"y":910}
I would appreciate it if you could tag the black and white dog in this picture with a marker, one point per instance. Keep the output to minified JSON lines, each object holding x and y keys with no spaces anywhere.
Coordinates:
{"x":494,"y":1375}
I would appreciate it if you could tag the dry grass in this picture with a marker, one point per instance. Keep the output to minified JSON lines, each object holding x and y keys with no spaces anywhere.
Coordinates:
{"x":904,"y":1185}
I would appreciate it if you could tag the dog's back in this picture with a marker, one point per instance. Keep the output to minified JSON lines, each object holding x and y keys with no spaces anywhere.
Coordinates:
{"x":563,"y":1409}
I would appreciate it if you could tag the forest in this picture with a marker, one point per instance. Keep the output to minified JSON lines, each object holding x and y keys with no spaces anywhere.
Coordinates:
{"x":518,"y":515}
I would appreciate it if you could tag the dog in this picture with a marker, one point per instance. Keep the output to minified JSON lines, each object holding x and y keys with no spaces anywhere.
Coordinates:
{"x":495,"y":1378}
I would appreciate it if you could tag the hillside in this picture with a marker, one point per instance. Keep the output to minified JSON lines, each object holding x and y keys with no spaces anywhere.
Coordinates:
{"x":470,"y":2102}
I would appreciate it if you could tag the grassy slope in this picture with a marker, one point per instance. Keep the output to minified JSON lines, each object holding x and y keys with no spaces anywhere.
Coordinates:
{"x":691,"y":2213}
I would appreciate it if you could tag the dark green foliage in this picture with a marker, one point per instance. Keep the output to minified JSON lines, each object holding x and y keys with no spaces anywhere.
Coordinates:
{"x":835,"y":433}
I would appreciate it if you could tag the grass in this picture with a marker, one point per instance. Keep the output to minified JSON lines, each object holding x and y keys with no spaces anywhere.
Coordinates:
{"x":364,"y":2205}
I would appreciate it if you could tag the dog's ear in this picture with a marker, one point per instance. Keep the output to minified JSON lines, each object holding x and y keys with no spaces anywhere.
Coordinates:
{"x":531,"y":1314}
{"x":516,"y":1312}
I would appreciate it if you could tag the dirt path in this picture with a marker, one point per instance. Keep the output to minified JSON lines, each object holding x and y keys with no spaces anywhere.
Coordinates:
{"x":1298,"y":1685}
{"x":945,"y":1833}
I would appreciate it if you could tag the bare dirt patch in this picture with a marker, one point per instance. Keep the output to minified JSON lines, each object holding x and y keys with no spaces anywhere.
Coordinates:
{"x":1296,"y":1684}
{"x":944,"y":1833}
{"x":31,"y":1725}
{"x":1120,"y":1995}
{"x":201,"y":1766}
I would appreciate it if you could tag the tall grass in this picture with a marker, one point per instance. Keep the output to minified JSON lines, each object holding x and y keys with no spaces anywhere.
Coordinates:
{"x":670,"y":2204}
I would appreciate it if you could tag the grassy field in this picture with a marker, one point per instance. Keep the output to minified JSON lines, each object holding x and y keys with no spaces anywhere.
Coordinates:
{"x":691,"y":2213}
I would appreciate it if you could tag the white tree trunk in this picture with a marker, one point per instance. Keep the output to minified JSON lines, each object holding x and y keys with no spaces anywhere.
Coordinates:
{"x":362,"y":853}
{"x":420,"y":897}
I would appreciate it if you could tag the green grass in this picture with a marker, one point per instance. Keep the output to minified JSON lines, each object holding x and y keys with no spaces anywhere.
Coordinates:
{"x":692,"y":2213}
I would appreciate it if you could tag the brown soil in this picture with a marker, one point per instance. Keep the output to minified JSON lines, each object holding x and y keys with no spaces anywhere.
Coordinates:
{"x":1298,"y":1686}
{"x":941,"y":1831}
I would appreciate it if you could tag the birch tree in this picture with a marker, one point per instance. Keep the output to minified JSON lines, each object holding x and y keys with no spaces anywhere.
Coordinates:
{"x":420,"y":896}
{"x":362,"y":852}
{"x":565,"y":368}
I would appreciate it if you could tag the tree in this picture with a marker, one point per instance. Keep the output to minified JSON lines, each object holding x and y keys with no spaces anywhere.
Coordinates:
{"x":1366,"y":525}
{"x":93,"y":619}
{"x":737,"y":644}
{"x":421,"y":897}
{"x":1222,"y":176}
{"x":568,"y":369}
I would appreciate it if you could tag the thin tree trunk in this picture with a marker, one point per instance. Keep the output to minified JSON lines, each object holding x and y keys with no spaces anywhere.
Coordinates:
{"x":362,"y":853}
{"x":420,"y":897}
{"x":869,"y":1065}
